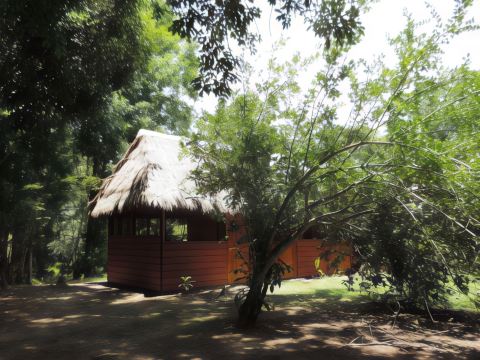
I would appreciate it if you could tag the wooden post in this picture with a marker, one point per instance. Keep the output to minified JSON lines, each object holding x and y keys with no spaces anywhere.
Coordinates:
{"x":162,"y":241}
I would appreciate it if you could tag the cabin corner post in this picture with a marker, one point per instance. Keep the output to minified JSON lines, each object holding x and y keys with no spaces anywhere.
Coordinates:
{"x":162,"y":242}
{"x":109,"y":235}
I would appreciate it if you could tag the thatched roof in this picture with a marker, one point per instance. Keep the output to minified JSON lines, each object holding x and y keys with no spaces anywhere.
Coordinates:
{"x":152,"y":174}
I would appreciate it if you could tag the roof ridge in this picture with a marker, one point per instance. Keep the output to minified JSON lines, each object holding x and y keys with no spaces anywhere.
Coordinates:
{"x":146,"y":132}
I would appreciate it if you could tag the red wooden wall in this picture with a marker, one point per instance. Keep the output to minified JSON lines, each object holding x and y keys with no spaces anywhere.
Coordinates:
{"x":236,"y":246}
{"x":307,"y":251}
{"x":134,"y":261}
{"x":310,"y":249}
{"x":205,"y":261}
{"x":301,"y":257}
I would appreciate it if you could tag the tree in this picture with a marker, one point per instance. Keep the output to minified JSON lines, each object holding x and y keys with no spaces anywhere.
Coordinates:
{"x":58,"y":60}
{"x":289,"y":167}
{"x":419,"y":236}
{"x":212,"y":24}
{"x":78,"y":79}
{"x":427,"y":236}
{"x":215,"y":24}
{"x":159,"y":97}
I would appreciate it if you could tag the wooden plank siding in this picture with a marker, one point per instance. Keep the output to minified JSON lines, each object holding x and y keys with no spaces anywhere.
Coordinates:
{"x":307,"y":252}
{"x":237,"y":249}
{"x":289,"y":257}
{"x":237,"y":268}
{"x":310,"y":249}
{"x":205,"y":261}
{"x":135,"y":261}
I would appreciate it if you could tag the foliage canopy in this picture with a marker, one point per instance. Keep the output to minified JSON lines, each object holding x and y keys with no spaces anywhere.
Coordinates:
{"x":398,"y":180}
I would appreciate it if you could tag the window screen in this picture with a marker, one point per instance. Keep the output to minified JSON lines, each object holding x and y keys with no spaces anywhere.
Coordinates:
{"x":121,"y":226}
{"x":147,"y":227}
{"x":141,"y":226}
{"x":155,"y":228}
{"x":176,"y":229}
{"x":126,"y":226}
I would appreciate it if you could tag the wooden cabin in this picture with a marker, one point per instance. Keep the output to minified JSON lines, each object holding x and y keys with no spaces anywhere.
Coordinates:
{"x":160,"y":229}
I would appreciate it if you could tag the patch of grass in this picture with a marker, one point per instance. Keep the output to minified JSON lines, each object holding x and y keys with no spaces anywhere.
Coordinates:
{"x":331,"y":289}
{"x":460,"y":301}
{"x":53,"y":280}
{"x":312,"y":286}
{"x":99,"y":278}
{"x":328,"y":291}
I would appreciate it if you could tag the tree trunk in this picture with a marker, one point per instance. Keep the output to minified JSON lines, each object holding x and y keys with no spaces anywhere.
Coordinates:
{"x":17,"y":263}
{"x":21,"y":278}
{"x":255,"y":299}
{"x":252,"y":306}
{"x":75,"y":258}
{"x":94,"y":240}
{"x":30,"y":263}
{"x":95,"y":236}
{"x":3,"y":259}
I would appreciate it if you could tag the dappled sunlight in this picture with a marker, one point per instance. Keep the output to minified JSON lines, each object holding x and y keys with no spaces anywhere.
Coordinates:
{"x":30,"y":347}
{"x":80,"y":316}
{"x":58,"y":298}
{"x":134,"y":297}
{"x":197,"y":302}
{"x":63,"y":321}
{"x":228,"y":336}
{"x":129,"y":299}
{"x":384,"y":351}
{"x":184,"y":355}
{"x":47,"y":321}
{"x":197,"y":319}
{"x":334,"y":326}
{"x":291,"y":311}
{"x":151,"y":315}
{"x":287,"y":341}
{"x":99,"y":322}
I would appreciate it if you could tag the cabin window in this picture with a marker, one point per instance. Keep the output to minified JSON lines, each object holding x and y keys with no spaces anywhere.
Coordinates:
{"x":155,"y":227}
{"x":141,"y":226}
{"x":186,"y":227}
{"x":121,"y":226}
{"x":126,"y":226}
{"x":193,"y":227}
{"x":147,"y":227}
{"x":176,"y":229}
{"x":116,"y":226}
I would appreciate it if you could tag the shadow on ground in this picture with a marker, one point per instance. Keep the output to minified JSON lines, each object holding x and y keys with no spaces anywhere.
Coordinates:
{"x":91,"y":321}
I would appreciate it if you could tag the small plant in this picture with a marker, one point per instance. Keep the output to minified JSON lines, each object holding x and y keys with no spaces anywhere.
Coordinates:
{"x":186,"y":283}
{"x":350,"y":280}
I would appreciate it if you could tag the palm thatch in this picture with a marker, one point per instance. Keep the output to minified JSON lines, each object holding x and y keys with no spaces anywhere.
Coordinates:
{"x":153,"y":174}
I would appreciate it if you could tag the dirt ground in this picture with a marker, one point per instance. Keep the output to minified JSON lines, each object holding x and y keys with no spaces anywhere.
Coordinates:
{"x":92,"y":321}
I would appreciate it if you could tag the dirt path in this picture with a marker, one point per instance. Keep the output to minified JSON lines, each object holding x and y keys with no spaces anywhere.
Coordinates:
{"x":90,"y":321}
